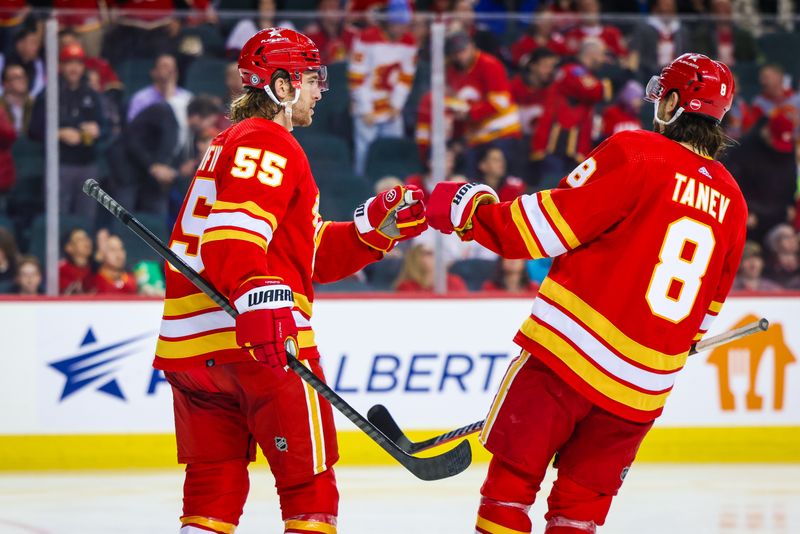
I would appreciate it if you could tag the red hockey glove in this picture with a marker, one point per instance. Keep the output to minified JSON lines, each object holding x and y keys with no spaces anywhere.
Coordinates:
{"x":452,"y":205}
{"x":394,"y":215}
{"x":265,"y":320}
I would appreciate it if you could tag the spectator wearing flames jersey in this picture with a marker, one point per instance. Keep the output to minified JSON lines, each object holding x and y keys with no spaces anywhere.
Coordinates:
{"x":564,"y":135}
{"x":624,"y":114}
{"x":381,"y":71}
{"x":485,"y":113}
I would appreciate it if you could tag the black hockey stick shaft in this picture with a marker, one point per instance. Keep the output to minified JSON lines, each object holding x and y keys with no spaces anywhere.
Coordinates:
{"x":380,"y":416}
{"x":434,"y":468}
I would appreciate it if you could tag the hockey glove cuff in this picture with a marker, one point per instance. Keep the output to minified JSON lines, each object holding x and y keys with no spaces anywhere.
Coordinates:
{"x":265,"y":320}
{"x":452,"y":206}
{"x":391,"y":216}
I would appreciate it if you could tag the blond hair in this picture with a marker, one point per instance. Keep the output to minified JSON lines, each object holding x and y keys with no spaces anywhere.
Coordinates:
{"x":412,"y":268}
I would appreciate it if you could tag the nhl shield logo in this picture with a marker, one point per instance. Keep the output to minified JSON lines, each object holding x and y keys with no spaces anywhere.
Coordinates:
{"x":281,"y":444}
{"x":254,"y":79}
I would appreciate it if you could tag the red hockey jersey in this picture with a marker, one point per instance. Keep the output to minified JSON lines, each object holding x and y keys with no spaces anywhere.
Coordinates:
{"x":486,"y":91}
{"x":251,"y":212}
{"x":566,"y":125}
{"x":647,"y":237}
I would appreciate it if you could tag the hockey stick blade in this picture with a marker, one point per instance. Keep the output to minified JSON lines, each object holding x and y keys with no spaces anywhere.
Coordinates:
{"x":379,"y":415}
{"x":444,"y":465}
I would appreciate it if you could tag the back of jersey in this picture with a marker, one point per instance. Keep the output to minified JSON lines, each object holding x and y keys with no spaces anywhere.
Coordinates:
{"x":648,"y":236}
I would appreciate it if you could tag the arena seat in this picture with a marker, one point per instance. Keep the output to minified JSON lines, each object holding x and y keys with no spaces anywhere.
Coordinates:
{"x":207,"y":76}
{"x":474,"y":272}
{"x":392,"y":156}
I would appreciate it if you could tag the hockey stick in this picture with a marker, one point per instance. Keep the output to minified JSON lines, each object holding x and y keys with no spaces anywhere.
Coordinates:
{"x":381,"y":418}
{"x":445,"y":465}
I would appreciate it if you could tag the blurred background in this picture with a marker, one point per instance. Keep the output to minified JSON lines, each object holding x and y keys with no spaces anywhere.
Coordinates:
{"x":511,"y":93}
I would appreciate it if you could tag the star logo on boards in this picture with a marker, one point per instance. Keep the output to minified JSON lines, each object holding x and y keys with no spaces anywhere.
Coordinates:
{"x":95,"y":364}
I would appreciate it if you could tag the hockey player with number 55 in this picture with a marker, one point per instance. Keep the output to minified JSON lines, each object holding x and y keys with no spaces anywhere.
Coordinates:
{"x":250,"y":225}
{"x":647,"y":234}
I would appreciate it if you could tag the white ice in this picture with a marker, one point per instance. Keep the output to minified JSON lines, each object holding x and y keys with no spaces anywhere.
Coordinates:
{"x":655,"y":499}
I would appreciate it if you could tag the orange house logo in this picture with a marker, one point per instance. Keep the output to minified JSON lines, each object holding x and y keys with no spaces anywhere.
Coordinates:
{"x":738,"y":364}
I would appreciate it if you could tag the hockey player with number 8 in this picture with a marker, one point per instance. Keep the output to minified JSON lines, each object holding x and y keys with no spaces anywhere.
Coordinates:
{"x":647,"y":235}
{"x":250,"y":225}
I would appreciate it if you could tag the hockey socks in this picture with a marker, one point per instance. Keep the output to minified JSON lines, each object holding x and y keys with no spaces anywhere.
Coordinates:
{"x":194,"y":524}
{"x":496,"y":517}
{"x":311,"y":524}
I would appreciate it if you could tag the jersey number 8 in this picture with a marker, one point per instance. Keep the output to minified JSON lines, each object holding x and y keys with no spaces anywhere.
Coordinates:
{"x":683,"y":261}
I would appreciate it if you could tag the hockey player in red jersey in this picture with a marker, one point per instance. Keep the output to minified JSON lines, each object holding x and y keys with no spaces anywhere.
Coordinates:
{"x":250,"y":225}
{"x":665,"y":223}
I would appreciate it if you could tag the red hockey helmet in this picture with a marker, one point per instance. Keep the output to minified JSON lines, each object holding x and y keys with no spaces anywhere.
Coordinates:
{"x":704,"y":86}
{"x":275,"y":49}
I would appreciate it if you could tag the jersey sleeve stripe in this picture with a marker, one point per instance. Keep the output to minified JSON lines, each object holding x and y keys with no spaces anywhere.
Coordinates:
{"x":241,"y":220}
{"x":525,"y":232}
{"x":604,"y":358}
{"x":320,"y":230}
{"x":698,"y":337}
{"x":500,"y":397}
{"x":561,"y":224}
{"x":585,"y":369}
{"x":249,"y":207}
{"x":301,"y":301}
{"x":715,"y":306}
{"x":188,"y":304}
{"x":708,"y":320}
{"x":606,"y":330}
{"x":240,"y":235}
{"x":547,"y":236}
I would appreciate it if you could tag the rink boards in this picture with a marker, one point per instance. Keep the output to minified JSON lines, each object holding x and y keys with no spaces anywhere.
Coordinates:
{"x":77,"y":388}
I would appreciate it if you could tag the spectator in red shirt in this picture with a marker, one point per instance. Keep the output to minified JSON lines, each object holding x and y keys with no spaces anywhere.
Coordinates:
{"x":29,"y":276}
{"x":625,"y":113}
{"x":332,"y":34}
{"x":511,"y":276}
{"x":85,"y":22}
{"x":564,"y":135}
{"x":538,"y":35}
{"x":8,"y":135}
{"x":531,"y":87}
{"x":111,"y":277}
{"x":418,"y":271}
{"x":493,"y":172}
{"x":486,"y":114}
{"x":590,"y":26}
{"x":75,"y":269}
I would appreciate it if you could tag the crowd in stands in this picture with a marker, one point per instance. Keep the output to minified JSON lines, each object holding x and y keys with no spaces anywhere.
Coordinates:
{"x":144,"y":86}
